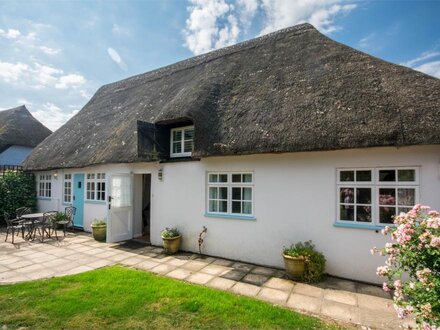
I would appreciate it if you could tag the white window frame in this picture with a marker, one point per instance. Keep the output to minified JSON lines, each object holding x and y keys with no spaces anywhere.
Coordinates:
{"x":229,"y":185}
{"x":67,"y":180}
{"x":95,"y":181}
{"x":181,"y":154}
{"x":44,"y":186}
{"x":375,"y":185}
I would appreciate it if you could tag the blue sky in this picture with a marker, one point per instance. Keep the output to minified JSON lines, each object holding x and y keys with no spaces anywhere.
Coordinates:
{"x":56,"y":54}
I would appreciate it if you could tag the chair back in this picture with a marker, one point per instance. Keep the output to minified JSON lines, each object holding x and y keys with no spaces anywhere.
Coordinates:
{"x":49,"y":217}
{"x":70,"y":212}
{"x":8,"y":219}
{"x":21,"y":211}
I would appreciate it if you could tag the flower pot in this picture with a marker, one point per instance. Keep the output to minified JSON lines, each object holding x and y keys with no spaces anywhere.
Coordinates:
{"x":171,"y":244}
{"x":99,"y":232}
{"x":295,"y":266}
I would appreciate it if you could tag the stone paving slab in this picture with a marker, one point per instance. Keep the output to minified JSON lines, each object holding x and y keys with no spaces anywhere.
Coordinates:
{"x":338,"y":299}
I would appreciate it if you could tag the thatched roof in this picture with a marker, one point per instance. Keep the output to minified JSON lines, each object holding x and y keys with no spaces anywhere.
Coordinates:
{"x":19,"y":127}
{"x":289,"y":91}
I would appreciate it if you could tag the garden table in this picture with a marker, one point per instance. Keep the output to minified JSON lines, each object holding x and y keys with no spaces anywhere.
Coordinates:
{"x":29,"y":222}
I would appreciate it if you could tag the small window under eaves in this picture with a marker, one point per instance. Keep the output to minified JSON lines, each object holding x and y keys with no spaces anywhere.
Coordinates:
{"x":182,"y":141}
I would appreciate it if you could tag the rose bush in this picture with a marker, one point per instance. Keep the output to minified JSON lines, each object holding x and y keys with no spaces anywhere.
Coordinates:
{"x":412,"y":268}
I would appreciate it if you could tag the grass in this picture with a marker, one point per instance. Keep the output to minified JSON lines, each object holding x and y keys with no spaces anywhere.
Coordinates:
{"x":122,"y":298}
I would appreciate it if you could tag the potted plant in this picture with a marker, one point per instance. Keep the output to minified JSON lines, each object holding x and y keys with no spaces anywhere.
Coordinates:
{"x":303,"y":262}
{"x":99,"y":230}
{"x":59,"y":219}
{"x":171,"y":239}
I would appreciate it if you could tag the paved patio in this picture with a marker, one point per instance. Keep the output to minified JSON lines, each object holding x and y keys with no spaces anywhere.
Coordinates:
{"x":364,"y":305}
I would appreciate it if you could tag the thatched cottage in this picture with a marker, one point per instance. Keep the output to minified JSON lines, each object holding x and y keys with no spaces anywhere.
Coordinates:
{"x":284,"y":138}
{"x":20,"y":132}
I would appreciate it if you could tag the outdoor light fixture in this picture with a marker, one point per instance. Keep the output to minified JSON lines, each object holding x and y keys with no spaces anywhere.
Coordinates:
{"x":55,"y":174}
{"x":160,"y":174}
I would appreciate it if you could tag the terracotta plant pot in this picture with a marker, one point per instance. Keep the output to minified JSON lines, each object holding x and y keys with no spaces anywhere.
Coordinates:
{"x":99,"y":232}
{"x":171,"y":244}
{"x":295,"y":266}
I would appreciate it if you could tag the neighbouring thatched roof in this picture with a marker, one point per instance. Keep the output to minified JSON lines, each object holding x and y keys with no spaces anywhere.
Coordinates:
{"x":19,"y":127}
{"x":289,"y":91}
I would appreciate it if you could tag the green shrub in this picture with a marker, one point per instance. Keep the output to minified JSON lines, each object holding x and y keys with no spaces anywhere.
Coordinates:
{"x":98,"y":223}
{"x":314,"y":260}
{"x":17,"y":189}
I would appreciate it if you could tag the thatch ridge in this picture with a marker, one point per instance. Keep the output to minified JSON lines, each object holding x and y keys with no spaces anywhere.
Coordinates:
{"x":292,"y":90}
{"x":19,"y":127}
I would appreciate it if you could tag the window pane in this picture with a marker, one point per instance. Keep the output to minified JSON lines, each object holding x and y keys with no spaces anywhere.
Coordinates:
{"x":223,"y":178}
{"x":363,"y":195}
{"x":247,"y":208}
{"x":347,"y":195}
{"x":213,"y":206}
{"x":404,"y":209}
{"x":177,"y":147}
{"x":247,"y":194}
{"x":347,"y":212}
{"x":177,"y":136}
{"x":363,"y":214}
{"x":247,"y":177}
{"x":223,"y":206}
{"x":103,"y":196}
{"x":103,"y":186}
{"x":92,"y":195}
{"x":236,"y":177}
{"x":188,"y":146}
{"x":386,"y":214}
{"x":236,"y":193}
{"x":236,"y":207}
{"x":387,"y":175}
{"x":213,"y":192}
{"x":223,"y":193}
{"x":346,"y":176}
{"x":189,"y":134}
{"x":387,"y":196}
{"x":406,"y":196}
{"x":213,"y":178}
{"x":363,"y":176}
{"x":406,"y":175}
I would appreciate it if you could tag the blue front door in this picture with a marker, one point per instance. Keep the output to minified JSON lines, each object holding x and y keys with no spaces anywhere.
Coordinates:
{"x":78,"y":199}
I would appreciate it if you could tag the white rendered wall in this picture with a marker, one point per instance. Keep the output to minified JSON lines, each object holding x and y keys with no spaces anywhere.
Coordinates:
{"x":294,"y":200}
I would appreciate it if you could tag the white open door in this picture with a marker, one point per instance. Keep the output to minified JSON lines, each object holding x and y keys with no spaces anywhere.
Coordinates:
{"x":120,"y":213}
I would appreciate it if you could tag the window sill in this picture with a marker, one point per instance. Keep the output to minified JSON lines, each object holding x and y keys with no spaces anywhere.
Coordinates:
{"x":361,"y":226}
{"x":95,"y":202}
{"x":65,"y":203}
{"x":179,"y":159}
{"x":45,"y":198}
{"x":230,"y":216}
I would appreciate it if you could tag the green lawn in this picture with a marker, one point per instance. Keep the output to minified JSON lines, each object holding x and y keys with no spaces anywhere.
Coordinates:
{"x":122,"y":298}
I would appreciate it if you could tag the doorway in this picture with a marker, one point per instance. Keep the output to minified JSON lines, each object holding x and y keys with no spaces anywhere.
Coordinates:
{"x":146,"y":206}
{"x":78,"y":199}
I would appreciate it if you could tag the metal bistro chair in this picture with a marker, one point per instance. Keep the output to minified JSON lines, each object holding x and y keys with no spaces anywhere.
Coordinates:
{"x":70,"y":212}
{"x":13,"y":226}
{"x":47,"y":225}
{"x":21,"y":211}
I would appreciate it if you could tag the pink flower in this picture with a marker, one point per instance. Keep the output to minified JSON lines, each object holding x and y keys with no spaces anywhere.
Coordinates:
{"x":385,"y":287}
{"x":398,"y":284}
{"x":435,"y":242}
{"x":382,"y":270}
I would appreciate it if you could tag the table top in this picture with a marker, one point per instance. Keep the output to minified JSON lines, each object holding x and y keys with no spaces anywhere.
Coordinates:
{"x":32,"y":215}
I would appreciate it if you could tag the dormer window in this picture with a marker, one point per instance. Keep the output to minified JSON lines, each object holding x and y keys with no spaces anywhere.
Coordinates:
{"x":182,"y":141}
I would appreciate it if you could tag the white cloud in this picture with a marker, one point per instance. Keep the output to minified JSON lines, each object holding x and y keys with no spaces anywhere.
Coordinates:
{"x":49,"y":51}
{"x":9,"y":33}
{"x":52,"y":116}
{"x":114,"y":55}
{"x":70,"y":81}
{"x":210,"y":25}
{"x":10,"y":72}
{"x":284,"y":13}
{"x":219,"y":23}
{"x":431,"y":68}
{"x":423,"y":57}
{"x":38,"y":76}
